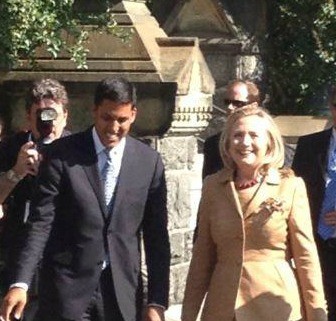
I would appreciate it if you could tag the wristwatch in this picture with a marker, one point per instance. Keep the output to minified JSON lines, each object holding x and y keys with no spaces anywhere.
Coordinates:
{"x":13,"y":177}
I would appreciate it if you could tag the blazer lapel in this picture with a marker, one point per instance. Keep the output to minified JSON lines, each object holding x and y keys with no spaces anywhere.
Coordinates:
{"x":227,"y":179}
{"x":269,"y":186}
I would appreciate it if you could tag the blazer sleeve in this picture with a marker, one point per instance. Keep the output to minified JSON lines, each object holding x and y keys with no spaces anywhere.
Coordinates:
{"x":305,"y":255}
{"x":202,"y":263}
{"x":156,"y":239}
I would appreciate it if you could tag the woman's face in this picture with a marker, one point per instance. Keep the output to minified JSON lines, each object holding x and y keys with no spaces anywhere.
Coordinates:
{"x":248,"y":142}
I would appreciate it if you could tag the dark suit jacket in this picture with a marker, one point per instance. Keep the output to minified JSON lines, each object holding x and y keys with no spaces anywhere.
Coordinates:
{"x":212,"y":159}
{"x":310,"y":161}
{"x":71,"y":224}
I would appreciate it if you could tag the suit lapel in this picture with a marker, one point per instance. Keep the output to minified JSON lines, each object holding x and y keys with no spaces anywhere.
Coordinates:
{"x":126,"y":175}
{"x":89,"y":163}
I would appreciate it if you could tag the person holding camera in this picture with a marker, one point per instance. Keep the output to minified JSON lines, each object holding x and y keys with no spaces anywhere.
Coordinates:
{"x":20,"y":156}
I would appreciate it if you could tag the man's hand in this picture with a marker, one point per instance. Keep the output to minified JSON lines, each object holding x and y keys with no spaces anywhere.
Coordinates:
{"x":330,"y":218}
{"x":154,"y":313}
{"x":28,"y":160}
{"x":13,"y":304}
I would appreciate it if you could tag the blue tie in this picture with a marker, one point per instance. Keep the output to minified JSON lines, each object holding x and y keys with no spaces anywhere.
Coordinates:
{"x":109,"y":178}
{"x":328,"y":205}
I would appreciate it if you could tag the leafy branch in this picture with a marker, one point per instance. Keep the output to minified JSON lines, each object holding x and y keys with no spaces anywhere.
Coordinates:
{"x":28,"y":25}
{"x":300,"y":54}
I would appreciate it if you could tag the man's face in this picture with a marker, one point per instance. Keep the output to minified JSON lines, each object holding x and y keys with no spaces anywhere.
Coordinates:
{"x":113,"y":121}
{"x":57,"y":125}
{"x":235,"y":97}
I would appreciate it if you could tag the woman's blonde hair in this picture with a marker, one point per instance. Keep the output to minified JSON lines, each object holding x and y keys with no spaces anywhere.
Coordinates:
{"x":275,"y":149}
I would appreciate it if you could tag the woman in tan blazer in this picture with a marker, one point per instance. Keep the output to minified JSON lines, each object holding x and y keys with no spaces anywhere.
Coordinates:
{"x":254,"y":258}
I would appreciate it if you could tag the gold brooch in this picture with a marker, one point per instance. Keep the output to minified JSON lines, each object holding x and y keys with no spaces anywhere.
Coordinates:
{"x":272,"y":205}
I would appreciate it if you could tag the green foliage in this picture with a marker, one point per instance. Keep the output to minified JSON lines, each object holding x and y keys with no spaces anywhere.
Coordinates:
{"x":26,"y":25}
{"x":301,"y":55}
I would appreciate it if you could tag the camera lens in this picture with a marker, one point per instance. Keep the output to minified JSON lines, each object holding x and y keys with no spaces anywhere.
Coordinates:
{"x":48,"y":114}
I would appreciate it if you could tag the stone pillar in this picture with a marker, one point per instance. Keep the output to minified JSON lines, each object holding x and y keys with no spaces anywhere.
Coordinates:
{"x":179,"y":154}
{"x":183,"y":162}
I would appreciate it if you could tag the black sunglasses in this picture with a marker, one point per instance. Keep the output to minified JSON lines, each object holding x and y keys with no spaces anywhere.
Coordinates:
{"x":236,"y":103}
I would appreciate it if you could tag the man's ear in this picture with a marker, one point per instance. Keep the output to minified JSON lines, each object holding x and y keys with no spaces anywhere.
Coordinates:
{"x":66,"y":114}
{"x":134,"y":114}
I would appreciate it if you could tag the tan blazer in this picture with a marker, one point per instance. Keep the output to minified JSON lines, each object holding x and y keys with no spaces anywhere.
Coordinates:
{"x":244,"y":262}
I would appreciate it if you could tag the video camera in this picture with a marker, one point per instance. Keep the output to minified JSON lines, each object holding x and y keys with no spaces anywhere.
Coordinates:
{"x":44,"y":123}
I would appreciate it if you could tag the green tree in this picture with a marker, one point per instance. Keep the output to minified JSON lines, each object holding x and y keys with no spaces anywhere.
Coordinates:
{"x":300,"y":55}
{"x":26,"y":25}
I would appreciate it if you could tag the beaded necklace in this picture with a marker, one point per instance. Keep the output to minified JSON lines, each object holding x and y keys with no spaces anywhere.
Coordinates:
{"x":249,"y":184}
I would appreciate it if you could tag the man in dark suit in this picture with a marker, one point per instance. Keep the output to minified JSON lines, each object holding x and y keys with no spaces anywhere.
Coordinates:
{"x":238,"y":93}
{"x":312,"y":161}
{"x":90,"y":241}
{"x":19,"y":160}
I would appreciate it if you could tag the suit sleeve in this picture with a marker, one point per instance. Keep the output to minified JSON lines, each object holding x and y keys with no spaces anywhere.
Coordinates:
{"x":300,"y":158}
{"x":202,"y":263}
{"x":38,"y":227}
{"x":156,"y":239}
{"x":305,"y":256}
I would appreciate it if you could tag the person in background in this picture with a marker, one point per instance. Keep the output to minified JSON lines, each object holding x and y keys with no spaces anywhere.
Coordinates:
{"x":255,"y":257}
{"x":238,"y":93}
{"x":315,"y":161}
{"x":20,"y":155}
{"x":98,"y":192}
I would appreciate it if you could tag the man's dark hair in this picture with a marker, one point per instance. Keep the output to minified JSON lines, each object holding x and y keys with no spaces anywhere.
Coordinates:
{"x":117,"y":90}
{"x":46,"y":89}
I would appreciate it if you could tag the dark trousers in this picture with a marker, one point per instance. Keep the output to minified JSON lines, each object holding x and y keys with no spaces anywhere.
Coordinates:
{"x":102,"y":307}
{"x":327,"y":253}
